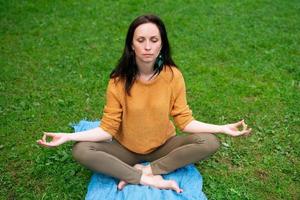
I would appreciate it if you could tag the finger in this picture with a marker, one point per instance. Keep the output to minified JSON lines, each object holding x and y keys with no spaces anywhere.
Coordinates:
{"x":243,"y":132}
{"x":240,"y":133}
{"x":244,"y":125}
{"x":44,"y":137}
{"x":239,"y":123}
{"x":52,"y":143}
{"x":247,"y":132}
{"x":49,"y":134}
{"x":235,"y":133}
{"x":47,"y":144}
{"x":42,"y":143}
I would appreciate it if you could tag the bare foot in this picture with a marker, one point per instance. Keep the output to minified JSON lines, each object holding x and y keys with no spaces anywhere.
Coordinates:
{"x":158,"y":182}
{"x":122,"y":184}
{"x":149,"y":179}
{"x":146,"y":169}
{"x":139,"y":166}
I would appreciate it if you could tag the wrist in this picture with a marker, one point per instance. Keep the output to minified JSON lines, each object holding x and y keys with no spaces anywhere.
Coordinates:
{"x":70,"y":137}
{"x":221,"y":129}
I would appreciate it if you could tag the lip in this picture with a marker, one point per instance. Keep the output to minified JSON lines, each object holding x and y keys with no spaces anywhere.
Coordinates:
{"x":147,"y":54}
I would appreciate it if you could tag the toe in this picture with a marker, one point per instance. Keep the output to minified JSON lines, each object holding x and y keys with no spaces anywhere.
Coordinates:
{"x":121,"y":185}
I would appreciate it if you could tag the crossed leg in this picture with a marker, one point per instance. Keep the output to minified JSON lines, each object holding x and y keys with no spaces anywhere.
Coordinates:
{"x":177,"y":152}
{"x":113,"y":159}
{"x":156,"y":181}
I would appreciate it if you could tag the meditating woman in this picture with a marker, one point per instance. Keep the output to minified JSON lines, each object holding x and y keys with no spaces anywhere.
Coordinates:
{"x":145,"y":89}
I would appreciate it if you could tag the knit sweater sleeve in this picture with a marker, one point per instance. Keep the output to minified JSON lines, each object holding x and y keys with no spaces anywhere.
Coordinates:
{"x":180,"y":112}
{"x":112,"y":112}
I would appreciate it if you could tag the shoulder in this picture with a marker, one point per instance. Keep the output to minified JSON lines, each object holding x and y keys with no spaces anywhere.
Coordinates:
{"x":171,"y":73}
{"x":115,"y":82}
{"x":115,"y":85}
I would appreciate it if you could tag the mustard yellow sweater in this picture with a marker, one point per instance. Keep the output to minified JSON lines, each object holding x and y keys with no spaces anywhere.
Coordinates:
{"x":141,"y":122}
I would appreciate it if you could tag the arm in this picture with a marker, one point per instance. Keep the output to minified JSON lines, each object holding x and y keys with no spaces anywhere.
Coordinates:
{"x":92,"y":135}
{"x":109,"y":124}
{"x":229,"y":129}
{"x":185,"y":121}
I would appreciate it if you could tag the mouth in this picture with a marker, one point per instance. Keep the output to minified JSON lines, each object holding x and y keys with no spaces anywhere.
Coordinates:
{"x":147,"y":54}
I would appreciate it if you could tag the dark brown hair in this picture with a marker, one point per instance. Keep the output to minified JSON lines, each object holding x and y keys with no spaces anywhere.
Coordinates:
{"x":126,"y":69}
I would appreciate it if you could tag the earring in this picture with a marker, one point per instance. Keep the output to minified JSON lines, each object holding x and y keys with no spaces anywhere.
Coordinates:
{"x":159,"y":61}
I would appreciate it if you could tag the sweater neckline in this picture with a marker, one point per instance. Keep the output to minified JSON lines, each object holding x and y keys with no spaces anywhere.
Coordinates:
{"x":152,"y":81}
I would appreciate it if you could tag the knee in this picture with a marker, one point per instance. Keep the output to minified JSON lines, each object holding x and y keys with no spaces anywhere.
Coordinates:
{"x":213,"y":142}
{"x":209,"y":140}
{"x":79,"y":150}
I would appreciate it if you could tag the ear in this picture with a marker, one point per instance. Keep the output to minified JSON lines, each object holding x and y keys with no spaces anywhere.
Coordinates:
{"x":132,"y":47}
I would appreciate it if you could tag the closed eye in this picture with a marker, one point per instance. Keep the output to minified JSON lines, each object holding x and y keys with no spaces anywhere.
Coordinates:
{"x":141,"y":40}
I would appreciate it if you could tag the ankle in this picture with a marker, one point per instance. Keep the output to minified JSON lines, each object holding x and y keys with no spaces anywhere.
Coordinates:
{"x":147,"y":170}
{"x":144,"y":179}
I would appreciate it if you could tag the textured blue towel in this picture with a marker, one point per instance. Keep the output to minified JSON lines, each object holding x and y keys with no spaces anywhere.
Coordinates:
{"x":105,"y":187}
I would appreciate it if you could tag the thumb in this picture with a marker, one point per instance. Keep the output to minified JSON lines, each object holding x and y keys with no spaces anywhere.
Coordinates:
{"x":239,"y":123}
{"x":47,"y":134}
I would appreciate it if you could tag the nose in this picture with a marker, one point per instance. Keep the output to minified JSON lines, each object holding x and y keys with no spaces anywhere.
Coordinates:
{"x":147,"y":46}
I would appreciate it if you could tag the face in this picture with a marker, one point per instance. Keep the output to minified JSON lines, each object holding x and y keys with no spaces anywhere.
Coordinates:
{"x":146,"y":43}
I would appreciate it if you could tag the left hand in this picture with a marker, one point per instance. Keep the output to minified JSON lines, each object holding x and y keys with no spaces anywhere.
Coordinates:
{"x":233,"y":129}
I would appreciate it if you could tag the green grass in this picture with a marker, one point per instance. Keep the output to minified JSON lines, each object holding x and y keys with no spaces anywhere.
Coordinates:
{"x":240,"y":59}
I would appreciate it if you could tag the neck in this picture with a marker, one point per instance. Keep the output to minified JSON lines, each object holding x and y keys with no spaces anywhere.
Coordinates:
{"x":145,"y":69}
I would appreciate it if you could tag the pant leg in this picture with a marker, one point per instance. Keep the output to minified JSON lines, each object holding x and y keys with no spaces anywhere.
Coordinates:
{"x":109,"y":158}
{"x":182,"y":150}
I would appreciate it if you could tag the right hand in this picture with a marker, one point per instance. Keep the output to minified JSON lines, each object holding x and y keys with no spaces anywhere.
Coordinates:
{"x":57,"y":139}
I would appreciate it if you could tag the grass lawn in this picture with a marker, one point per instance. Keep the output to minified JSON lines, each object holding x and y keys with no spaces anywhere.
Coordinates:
{"x":240,"y":59}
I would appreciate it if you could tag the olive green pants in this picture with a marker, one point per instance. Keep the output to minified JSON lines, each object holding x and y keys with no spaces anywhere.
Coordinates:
{"x":111,"y":158}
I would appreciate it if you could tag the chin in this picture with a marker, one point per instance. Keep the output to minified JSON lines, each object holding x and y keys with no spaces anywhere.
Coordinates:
{"x":147,"y":60}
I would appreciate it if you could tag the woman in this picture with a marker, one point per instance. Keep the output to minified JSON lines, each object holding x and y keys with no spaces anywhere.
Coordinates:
{"x":145,"y":89}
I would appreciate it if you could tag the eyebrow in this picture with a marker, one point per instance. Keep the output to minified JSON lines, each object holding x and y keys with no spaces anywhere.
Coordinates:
{"x":150,"y":36}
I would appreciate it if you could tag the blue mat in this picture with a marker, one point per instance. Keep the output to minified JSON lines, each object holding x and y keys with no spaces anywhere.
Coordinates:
{"x":105,"y":187}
